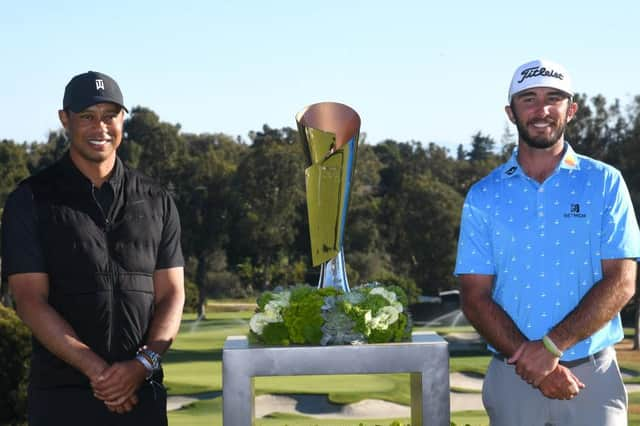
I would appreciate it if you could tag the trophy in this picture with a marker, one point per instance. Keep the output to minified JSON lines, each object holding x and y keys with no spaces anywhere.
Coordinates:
{"x":329,"y":133}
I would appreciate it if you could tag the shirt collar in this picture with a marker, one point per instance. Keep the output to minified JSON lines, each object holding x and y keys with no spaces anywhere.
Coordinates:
{"x":511,"y":168}
{"x":78,"y":179}
{"x":569,"y":161}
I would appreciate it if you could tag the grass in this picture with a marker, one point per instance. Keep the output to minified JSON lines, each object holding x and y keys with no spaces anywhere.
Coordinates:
{"x":194,"y":363}
{"x":193,"y":366}
{"x":342,"y":389}
{"x":209,"y":413}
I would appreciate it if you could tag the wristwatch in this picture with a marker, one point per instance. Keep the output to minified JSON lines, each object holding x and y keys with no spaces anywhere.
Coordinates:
{"x":150,"y":359}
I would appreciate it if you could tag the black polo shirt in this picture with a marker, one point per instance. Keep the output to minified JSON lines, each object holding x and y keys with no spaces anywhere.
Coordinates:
{"x":21,"y":248}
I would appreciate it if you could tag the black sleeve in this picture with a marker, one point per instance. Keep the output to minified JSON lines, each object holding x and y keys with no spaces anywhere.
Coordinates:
{"x":21,"y":249}
{"x":170,"y":250}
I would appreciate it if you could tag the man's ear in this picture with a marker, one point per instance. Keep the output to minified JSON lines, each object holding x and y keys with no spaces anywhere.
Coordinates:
{"x":64,"y":118}
{"x":509,"y":112}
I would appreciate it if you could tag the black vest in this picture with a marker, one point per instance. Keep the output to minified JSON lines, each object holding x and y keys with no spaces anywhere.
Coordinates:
{"x":100,"y":264}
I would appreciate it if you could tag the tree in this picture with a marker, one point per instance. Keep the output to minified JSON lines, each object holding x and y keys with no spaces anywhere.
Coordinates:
{"x":626,"y":155}
{"x":153,"y":147}
{"x":481,"y":161}
{"x":15,"y":351}
{"x":596,"y":128}
{"x":268,"y":189}
{"x":13,"y":167}
{"x":43,"y":155}
{"x":422,"y":229}
{"x":202,"y":184}
{"x":481,"y":147}
{"x":364,"y":247}
{"x":508,"y":140}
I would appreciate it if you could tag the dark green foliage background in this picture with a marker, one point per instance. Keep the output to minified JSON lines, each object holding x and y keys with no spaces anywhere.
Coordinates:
{"x":15,"y":350}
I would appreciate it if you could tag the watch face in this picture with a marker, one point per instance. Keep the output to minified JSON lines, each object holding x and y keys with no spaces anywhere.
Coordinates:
{"x":154,"y":357}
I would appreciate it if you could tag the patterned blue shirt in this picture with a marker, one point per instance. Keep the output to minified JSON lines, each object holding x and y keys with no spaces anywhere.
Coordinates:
{"x":544,"y":242}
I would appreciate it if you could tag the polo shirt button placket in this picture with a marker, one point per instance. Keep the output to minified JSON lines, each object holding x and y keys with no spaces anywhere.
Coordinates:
{"x":540,"y":202}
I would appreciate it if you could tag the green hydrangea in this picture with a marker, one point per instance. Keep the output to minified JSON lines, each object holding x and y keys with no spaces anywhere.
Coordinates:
{"x":303,"y":316}
{"x":306,"y":315}
{"x":276,"y":334}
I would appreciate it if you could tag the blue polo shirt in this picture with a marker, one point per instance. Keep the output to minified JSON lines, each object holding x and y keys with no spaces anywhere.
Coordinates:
{"x":544,"y":242}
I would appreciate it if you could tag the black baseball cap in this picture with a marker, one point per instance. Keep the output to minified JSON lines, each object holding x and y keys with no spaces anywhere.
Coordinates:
{"x":89,"y":89}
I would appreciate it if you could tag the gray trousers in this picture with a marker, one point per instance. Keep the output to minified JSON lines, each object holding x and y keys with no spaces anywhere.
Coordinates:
{"x":510,"y":401}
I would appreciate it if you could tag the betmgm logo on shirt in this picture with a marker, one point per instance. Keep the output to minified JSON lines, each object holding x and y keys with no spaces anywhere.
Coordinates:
{"x":574,"y":211}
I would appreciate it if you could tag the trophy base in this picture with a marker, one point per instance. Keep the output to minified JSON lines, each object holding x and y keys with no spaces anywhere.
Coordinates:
{"x":334,"y":274}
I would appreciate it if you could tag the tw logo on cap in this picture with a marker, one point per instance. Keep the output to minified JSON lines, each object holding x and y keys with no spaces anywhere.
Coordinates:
{"x":99,"y":84}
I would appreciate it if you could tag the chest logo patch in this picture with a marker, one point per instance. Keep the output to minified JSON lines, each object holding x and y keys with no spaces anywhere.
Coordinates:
{"x":574,"y":211}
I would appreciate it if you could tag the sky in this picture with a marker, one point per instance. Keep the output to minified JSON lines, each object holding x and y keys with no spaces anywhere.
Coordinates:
{"x":414,"y":70}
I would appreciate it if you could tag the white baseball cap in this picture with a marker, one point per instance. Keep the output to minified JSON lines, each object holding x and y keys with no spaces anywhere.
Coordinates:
{"x":540,"y":73}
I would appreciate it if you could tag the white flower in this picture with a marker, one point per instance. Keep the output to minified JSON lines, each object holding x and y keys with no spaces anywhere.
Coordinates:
{"x":367,"y":321}
{"x":257,"y":322}
{"x":391,"y":297}
{"x":385,"y":317}
{"x":280,"y":300}
{"x":272,"y":312}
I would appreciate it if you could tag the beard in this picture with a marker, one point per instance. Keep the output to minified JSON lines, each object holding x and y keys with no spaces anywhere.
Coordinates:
{"x":541,"y":142}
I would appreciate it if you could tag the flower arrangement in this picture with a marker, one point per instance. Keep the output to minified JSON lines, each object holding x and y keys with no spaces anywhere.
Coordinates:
{"x":306,"y":315}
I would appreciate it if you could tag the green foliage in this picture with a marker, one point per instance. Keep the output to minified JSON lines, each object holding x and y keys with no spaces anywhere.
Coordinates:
{"x":15,"y":351}
{"x":192,"y":296}
{"x":225,"y":284}
{"x":277,"y":334}
{"x":324,"y":316}
{"x":41,"y":155}
{"x":267,"y":193}
{"x":13,"y":167}
{"x":481,"y":147}
{"x":280,"y":272}
{"x":422,"y":226}
{"x":303,"y":316}
{"x":155,"y":146}
{"x":264,"y":298}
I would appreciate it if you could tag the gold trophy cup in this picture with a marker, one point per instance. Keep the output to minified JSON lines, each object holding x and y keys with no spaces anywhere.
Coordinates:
{"x":329,"y":133}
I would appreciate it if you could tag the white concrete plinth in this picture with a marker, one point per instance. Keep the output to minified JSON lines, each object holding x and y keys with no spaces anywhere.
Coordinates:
{"x":426,"y":358}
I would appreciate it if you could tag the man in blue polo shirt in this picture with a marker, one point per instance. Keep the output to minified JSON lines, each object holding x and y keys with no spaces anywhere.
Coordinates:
{"x":546,"y":261}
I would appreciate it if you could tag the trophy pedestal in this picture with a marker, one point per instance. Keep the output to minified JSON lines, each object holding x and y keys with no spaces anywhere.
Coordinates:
{"x":426,"y":358}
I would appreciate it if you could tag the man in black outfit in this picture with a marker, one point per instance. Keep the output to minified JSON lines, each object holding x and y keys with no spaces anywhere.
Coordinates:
{"x":93,"y":259}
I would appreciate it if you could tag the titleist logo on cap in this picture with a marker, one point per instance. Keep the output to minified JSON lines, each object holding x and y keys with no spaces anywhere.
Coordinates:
{"x":539,"y":71}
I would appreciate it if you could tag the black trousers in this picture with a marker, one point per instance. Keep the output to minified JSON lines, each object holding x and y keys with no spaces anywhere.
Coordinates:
{"x":72,"y":406}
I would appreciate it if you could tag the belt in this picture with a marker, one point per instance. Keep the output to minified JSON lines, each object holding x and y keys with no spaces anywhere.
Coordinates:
{"x":573,"y":363}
